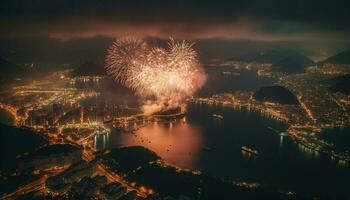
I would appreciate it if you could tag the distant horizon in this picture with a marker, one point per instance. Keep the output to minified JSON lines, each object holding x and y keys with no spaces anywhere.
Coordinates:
{"x":27,"y":49}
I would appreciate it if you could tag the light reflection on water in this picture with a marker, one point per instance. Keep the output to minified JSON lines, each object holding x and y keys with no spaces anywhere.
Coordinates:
{"x":281,"y":161}
{"x":102,"y":141}
{"x":176,"y":142}
{"x":214,"y":146}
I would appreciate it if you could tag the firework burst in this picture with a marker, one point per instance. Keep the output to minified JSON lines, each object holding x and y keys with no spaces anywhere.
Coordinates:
{"x":168,"y":75}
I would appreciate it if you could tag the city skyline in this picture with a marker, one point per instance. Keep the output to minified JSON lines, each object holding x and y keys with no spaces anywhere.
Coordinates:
{"x":174,"y":100}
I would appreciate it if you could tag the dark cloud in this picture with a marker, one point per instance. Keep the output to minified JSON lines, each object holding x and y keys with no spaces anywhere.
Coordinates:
{"x":266,"y":20}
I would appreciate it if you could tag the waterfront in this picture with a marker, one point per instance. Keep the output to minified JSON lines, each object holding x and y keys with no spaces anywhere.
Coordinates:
{"x":202,"y":142}
{"x":208,"y":137}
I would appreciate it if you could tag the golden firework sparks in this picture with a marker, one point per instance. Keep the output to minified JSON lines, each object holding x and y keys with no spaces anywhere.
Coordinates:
{"x":168,"y":75}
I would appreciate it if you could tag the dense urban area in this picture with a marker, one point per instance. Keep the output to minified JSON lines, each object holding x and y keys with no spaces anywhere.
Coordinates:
{"x":69,"y":164}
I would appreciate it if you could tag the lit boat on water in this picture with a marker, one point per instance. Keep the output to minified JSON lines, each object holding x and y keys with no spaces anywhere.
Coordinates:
{"x":218,"y":116}
{"x":283,"y":134}
{"x":249,"y":150}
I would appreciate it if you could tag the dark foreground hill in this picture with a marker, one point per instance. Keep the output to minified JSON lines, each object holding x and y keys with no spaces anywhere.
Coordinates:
{"x":145,"y":168}
{"x":276,"y":94}
{"x":17,"y":141}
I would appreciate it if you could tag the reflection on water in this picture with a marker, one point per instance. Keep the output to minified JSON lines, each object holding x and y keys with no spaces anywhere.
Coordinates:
{"x":176,"y":142}
{"x":214,"y":146}
{"x":281,"y":141}
{"x":201,"y":141}
{"x":102,"y":141}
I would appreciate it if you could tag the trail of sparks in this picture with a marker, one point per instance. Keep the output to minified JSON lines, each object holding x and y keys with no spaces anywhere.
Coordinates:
{"x":167,"y":75}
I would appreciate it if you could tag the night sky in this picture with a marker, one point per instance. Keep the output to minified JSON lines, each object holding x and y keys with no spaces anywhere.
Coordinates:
{"x":311,"y":26}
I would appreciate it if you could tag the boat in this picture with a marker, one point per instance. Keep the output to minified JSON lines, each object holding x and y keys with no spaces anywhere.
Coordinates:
{"x":249,"y":150}
{"x":283,"y":134}
{"x":218,"y":116}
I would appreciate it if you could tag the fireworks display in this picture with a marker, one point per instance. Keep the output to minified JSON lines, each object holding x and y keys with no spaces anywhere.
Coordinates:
{"x":167,"y":76}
